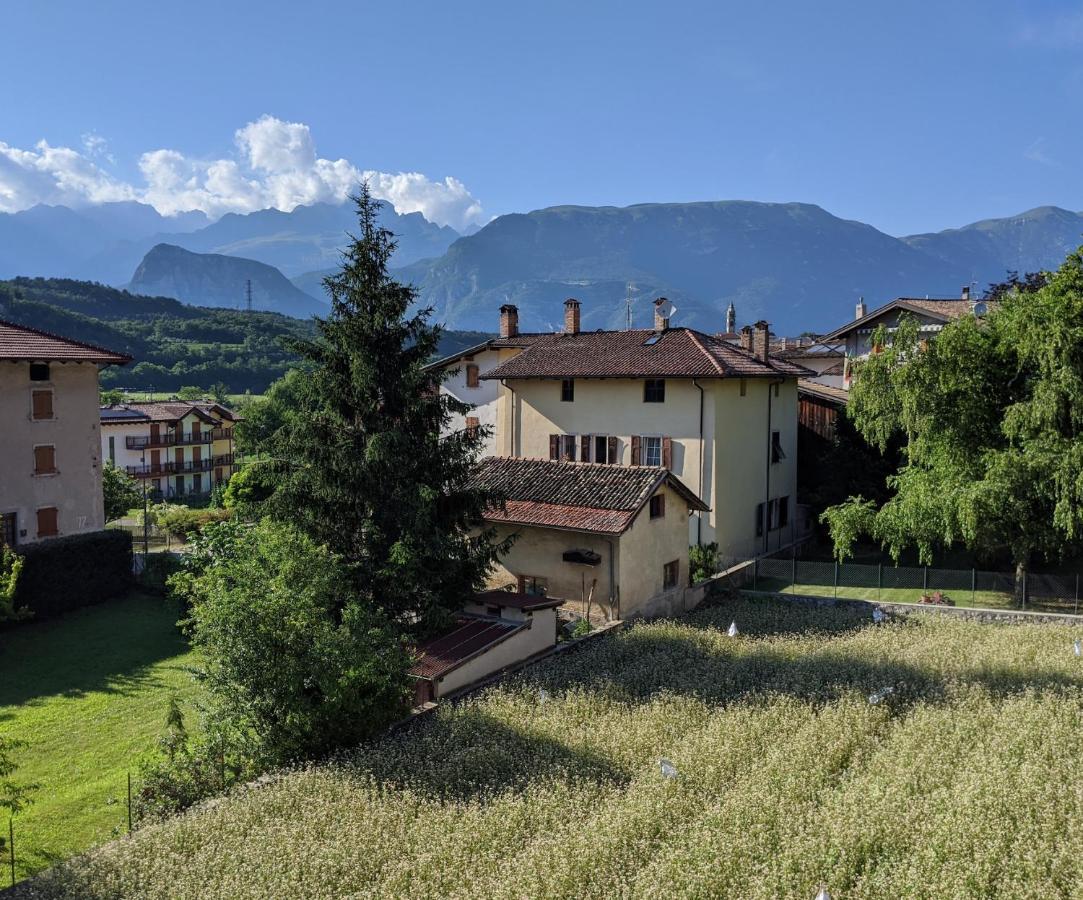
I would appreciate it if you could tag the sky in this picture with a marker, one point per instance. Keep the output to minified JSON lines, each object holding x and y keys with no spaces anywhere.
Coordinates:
{"x":911,"y":116}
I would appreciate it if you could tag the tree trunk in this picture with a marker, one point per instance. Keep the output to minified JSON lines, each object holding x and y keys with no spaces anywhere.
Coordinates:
{"x":1020,"y":582}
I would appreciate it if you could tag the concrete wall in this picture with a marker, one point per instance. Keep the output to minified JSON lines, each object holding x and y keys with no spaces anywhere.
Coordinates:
{"x":539,"y":636}
{"x":76,"y":489}
{"x":745,"y":477}
{"x":646,"y":547}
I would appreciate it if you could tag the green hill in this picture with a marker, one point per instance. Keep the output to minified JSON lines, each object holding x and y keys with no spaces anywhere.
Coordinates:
{"x":171,"y":344}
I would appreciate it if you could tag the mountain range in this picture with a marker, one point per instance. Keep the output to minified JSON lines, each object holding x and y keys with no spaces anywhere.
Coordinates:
{"x":794,"y":264}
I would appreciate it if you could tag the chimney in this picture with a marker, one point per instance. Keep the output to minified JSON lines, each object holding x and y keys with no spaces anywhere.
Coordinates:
{"x":966,"y":292}
{"x":859,"y":310}
{"x":509,"y":320}
{"x":661,"y":323}
{"x":760,"y":340}
{"x":731,"y":319}
{"x":571,"y":316}
{"x":746,"y":338}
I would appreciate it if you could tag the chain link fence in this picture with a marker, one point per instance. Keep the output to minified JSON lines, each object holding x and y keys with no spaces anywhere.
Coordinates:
{"x":917,"y":584}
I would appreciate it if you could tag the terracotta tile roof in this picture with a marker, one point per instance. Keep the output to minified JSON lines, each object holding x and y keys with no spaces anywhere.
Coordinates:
{"x":575,"y":495}
{"x":163,"y":411}
{"x":674,"y":353}
{"x":469,"y":638}
{"x":944,"y":309}
{"x":498,"y":343}
{"x":516,"y":600}
{"x":24,"y":343}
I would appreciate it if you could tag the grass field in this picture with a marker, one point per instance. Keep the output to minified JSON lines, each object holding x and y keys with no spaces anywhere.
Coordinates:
{"x":88,"y":693}
{"x":964,"y":781}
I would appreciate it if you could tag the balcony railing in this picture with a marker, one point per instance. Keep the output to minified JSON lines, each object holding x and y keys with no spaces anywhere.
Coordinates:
{"x":172,"y":467}
{"x":176,"y":438}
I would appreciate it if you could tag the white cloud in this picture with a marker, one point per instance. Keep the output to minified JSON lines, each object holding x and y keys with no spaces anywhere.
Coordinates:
{"x":276,"y":165}
{"x":1036,"y":152}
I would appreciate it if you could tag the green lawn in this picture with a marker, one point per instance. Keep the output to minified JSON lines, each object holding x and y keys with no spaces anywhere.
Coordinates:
{"x":88,"y":693}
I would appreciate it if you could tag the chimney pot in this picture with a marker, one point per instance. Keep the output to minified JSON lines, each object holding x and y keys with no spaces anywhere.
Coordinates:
{"x":761,"y":340}
{"x":571,"y":316}
{"x":661,"y":323}
{"x":746,"y":338}
{"x":859,"y":310}
{"x":509,"y":320}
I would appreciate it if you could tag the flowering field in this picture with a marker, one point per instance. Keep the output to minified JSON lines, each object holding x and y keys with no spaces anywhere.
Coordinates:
{"x":963,"y":779}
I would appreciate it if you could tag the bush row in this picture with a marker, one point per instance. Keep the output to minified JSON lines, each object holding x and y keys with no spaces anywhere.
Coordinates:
{"x":66,"y":573}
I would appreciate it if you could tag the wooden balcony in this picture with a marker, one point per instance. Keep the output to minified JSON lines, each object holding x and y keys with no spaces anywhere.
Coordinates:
{"x":172,"y":467}
{"x":177,"y":438}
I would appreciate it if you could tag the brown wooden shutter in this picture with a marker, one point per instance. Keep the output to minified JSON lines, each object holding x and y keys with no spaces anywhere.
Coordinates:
{"x":47,"y":522}
{"x":472,"y":425}
{"x":612,"y":450}
{"x":584,"y":448}
{"x":667,"y":452}
{"x":42,"y":404}
{"x":554,"y":446}
{"x":44,"y":460}
{"x":472,"y":376}
{"x":635,"y":449}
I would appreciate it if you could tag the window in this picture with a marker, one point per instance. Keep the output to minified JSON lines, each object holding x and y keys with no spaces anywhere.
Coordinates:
{"x":179,"y":489}
{"x":759,"y":520}
{"x":605,"y":449}
{"x":654,"y":390}
{"x":567,"y":447}
{"x":772,"y":515}
{"x":783,"y":512}
{"x":492,"y":611}
{"x":652,"y":451}
{"x":531,"y":584}
{"x":472,"y":425}
{"x":776,"y":447}
{"x":197,"y":483}
{"x":45,"y":459}
{"x":41,"y":406}
{"x":658,"y":506}
{"x":8,"y":530}
{"x":671,"y":573}
{"x":47,"y":522}
{"x":39,"y":371}
{"x":567,"y":390}
{"x":472,"y":376}
{"x":113,"y":449}
{"x":744,"y":387}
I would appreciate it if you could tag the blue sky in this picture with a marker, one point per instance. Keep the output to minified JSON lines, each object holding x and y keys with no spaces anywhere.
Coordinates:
{"x":910,"y":116}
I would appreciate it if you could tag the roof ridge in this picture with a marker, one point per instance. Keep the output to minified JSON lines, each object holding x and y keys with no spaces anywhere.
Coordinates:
{"x":57,"y":337}
{"x":694,"y":335}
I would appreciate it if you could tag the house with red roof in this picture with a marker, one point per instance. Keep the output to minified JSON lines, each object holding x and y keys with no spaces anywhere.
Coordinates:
{"x":50,"y":439}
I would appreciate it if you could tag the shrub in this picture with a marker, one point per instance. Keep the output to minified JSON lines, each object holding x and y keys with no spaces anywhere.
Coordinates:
{"x":183,"y":523}
{"x":156,"y":571}
{"x":702,"y":561}
{"x":66,"y":573}
{"x":11,"y":564}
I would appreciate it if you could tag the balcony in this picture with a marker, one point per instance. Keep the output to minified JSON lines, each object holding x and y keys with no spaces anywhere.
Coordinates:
{"x":164,"y":469}
{"x":177,"y":438}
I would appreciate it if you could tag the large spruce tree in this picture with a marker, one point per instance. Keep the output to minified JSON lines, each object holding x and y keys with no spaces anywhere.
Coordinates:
{"x":361,"y":465}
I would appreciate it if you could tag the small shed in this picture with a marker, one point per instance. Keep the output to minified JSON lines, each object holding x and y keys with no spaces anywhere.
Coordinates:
{"x":495,"y":630}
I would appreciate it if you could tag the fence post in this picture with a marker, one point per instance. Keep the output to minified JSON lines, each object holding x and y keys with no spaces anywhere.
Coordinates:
{"x":755,"y":573}
{"x":11,"y":846}
{"x":1024,"y":589}
{"x":793,"y":576}
{"x":973,"y":586}
{"x":925,"y":580}
{"x":1077,"y":592}
{"x":879,"y":580}
{"x":836,"y":579}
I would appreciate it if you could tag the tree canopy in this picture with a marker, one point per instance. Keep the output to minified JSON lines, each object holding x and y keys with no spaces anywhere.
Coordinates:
{"x":991,"y":417}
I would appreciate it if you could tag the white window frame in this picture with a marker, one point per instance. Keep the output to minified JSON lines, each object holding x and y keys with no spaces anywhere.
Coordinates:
{"x":643,"y":438}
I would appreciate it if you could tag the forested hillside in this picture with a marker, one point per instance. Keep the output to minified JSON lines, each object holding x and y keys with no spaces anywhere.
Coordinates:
{"x":171,"y":344}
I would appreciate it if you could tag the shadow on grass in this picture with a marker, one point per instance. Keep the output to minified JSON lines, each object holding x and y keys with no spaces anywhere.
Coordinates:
{"x":109,"y":647}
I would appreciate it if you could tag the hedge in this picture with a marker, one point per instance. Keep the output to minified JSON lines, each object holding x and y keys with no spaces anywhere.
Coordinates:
{"x":66,"y":573}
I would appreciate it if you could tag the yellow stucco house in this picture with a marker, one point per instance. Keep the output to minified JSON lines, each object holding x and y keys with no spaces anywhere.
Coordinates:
{"x":719,"y":412}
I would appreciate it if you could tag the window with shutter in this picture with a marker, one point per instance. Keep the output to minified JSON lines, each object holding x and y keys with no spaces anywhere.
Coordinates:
{"x":42,"y":404}
{"x":612,"y":441}
{"x":667,"y":452}
{"x":44,"y":460}
{"x":651,"y":451}
{"x":635,"y":449}
{"x":601,"y":448}
{"x":567,"y":449}
{"x":48,"y":522}
{"x":584,"y":448}
{"x":472,"y":376}
{"x":472,"y":425}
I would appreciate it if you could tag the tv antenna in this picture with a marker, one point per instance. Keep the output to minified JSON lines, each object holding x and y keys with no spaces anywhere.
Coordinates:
{"x":248,"y":295}
{"x":628,"y":306}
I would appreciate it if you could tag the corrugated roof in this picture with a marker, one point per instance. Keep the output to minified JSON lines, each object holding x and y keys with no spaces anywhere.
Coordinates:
{"x":20,"y":342}
{"x":469,"y":638}
{"x":576,"y":495}
{"x":673,"y":353}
